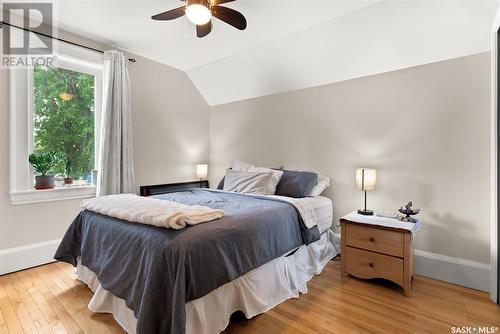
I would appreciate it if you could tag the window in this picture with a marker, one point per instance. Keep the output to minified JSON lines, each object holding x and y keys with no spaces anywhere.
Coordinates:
{"x":63,"y":120}
{"x":56,"y":109}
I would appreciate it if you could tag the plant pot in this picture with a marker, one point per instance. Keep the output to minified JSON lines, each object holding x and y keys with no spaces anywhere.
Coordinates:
{"x":68,"y":180}
{"x":44,"y":182}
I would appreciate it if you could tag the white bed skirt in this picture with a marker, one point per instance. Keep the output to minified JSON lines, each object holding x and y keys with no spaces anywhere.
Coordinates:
{"x":253,"y":293}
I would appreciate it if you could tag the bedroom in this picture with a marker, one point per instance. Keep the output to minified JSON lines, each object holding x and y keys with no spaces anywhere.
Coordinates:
{"x":358,"y":105}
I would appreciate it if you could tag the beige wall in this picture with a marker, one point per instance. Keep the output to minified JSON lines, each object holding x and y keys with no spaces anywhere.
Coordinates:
{"x":426,"y":130}
{"x":170,"y":124}
{"x":170,"y":135}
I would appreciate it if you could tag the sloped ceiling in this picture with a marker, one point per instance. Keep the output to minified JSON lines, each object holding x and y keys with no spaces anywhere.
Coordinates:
{"x":289,"y":44}
{"x":383,"y":37}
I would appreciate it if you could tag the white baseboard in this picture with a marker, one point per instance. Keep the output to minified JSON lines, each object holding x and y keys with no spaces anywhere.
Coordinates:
{"x":454,"y":270}
{"x":18,"y":258}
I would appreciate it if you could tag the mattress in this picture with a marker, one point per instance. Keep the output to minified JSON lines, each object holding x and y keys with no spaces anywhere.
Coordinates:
{"x":316,"y":210}
{"x":323,"y":208}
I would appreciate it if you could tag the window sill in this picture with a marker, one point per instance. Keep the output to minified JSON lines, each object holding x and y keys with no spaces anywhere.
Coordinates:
{"x":51,"y":195}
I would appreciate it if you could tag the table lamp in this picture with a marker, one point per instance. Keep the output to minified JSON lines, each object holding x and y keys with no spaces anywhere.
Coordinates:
{"x":201,"y":171}
{"x":366,"y":179}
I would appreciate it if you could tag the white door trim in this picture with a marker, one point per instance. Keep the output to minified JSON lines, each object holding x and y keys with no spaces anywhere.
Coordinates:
{"x":494,"y":166}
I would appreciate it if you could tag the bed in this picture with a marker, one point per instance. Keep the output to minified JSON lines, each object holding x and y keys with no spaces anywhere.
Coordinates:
{"x":155,"y":280}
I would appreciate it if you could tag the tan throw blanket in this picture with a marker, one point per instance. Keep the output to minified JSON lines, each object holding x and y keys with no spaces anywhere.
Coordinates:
{"x":151,"y":211}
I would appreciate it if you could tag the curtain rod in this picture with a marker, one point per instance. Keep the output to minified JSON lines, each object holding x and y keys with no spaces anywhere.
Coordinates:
{"x":56,"y":38}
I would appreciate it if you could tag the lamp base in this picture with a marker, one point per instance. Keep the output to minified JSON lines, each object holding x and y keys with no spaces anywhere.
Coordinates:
{"x":365,"y":212}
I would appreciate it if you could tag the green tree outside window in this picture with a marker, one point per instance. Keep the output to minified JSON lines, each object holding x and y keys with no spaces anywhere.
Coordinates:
{"x":63,"y":118}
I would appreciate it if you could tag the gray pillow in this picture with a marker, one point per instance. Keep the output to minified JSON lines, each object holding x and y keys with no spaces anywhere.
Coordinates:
{"x":296,"y":184}
{"x":221,"y":183}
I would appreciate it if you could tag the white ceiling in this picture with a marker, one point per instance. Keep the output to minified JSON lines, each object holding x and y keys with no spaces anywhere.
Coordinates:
{"x":289,"y":44}
{"x":128,"y":25}
{"x":383,"y":37}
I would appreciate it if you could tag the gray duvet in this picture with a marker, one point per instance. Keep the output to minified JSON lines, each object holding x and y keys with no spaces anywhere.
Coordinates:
{"x":157,"y":270}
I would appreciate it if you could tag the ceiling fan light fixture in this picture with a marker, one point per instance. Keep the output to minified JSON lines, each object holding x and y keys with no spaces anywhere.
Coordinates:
{"x":198,"y":14}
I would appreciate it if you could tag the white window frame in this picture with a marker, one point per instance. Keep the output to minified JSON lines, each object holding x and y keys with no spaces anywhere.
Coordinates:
{"x":21,"y":125}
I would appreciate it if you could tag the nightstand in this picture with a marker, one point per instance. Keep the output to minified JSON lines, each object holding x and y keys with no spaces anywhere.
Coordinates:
{"x":374,"y":251}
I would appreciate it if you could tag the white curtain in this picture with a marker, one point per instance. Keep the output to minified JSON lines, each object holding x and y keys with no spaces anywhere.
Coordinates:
{"x":116,"y":167}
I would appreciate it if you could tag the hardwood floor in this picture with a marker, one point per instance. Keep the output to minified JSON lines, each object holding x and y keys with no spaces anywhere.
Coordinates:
{"x":48,"y":299}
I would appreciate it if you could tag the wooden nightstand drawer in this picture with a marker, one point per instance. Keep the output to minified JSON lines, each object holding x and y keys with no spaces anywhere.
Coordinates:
{"x":375,"y":239}
{"x":371,"y":251}
{"x":365,"y":264}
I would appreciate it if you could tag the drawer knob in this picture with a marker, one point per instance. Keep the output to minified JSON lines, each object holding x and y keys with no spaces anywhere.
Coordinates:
{"x":371,"y":265}
{"x":372,"y":239}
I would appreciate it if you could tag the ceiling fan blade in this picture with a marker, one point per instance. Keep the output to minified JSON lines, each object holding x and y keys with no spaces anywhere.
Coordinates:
{"x":218,"y":2}
{"x":170,"y":14}
{"x":203,"y":29}
{"x":230,"y":16}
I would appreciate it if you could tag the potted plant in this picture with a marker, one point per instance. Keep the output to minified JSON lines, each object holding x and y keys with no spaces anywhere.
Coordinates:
{"x":42,"y":164}
{"x":67,"y":170}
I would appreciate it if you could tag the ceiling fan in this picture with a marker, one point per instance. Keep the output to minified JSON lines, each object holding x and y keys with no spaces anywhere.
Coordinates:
{"x":200,"y":12}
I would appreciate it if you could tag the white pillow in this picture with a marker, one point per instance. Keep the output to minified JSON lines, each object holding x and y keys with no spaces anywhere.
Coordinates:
{"x":248,"y":182}
{"x":323,"y":181}
{"x":244,"y":166}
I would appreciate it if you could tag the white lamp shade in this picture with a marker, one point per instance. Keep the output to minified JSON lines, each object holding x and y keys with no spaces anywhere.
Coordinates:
{"x":366,"y":179}
{"x":202,"y":171}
